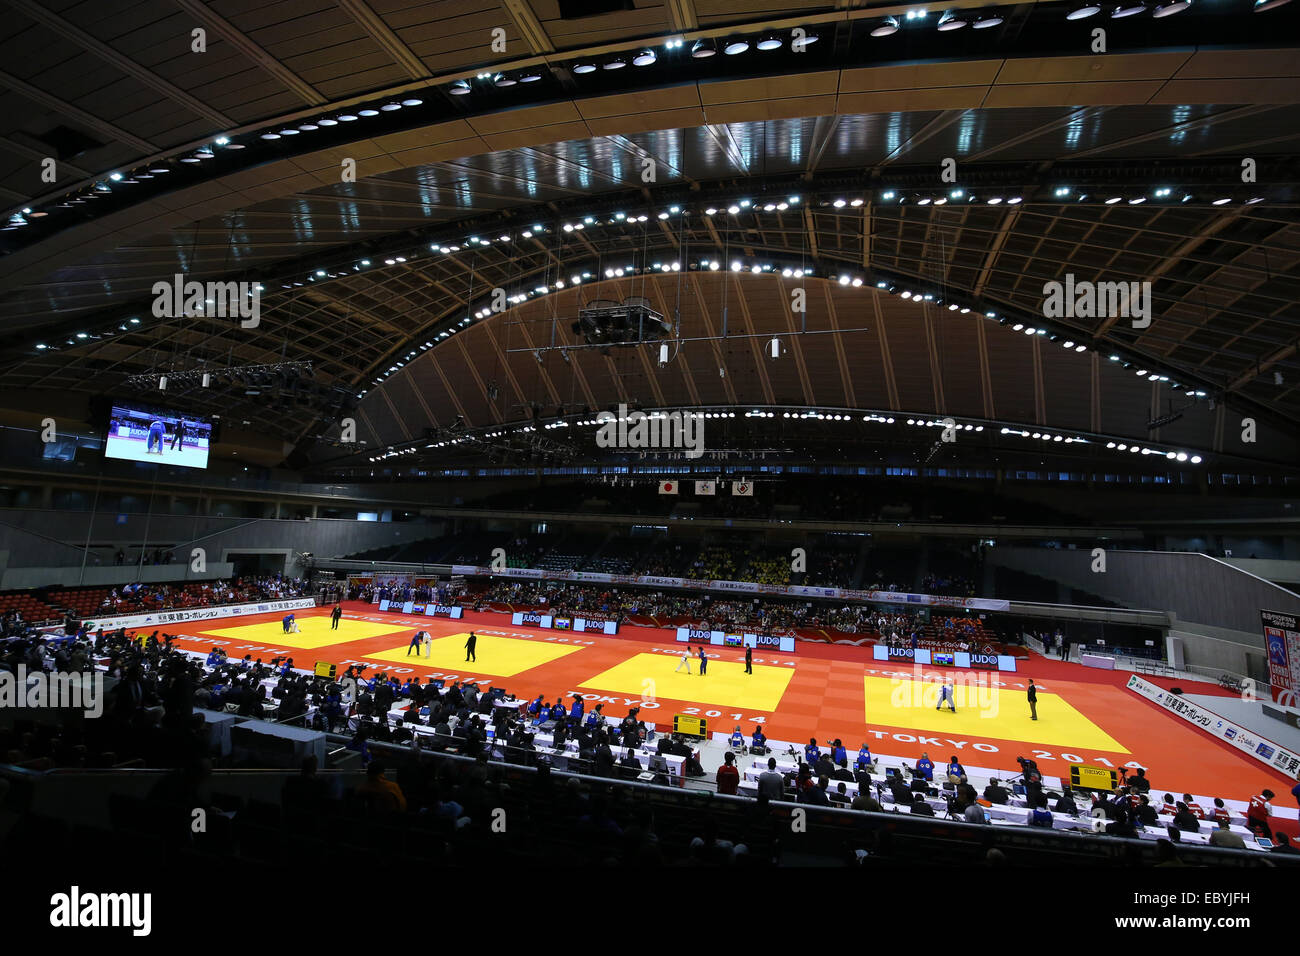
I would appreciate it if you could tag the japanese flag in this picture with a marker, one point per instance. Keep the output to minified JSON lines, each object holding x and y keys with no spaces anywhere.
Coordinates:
{"x":704,"y":487}
{"x":667,"y":487}
{"x":742,"y":488}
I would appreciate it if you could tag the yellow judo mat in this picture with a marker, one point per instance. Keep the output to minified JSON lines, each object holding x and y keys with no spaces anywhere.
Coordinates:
{"x":983,"y":711}
{"x":725,"y":683}
{"x":499,"y":656}
{"x":313,"y":632}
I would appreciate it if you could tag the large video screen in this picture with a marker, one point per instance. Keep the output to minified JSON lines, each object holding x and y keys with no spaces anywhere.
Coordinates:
{"x":139,"y":435}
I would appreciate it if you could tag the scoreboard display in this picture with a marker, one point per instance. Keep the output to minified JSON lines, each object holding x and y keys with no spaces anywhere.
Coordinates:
{"x":690,"y":726}
{"x":1086,"y":777}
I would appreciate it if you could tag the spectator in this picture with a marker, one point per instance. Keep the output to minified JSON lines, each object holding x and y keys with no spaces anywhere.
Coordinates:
{"x":1185,"y":820}
{"x":1283,"y":844}
{"x":380,"y":793}
{"x":770,"y":783}
{"x":866,"y":799}
{"x":728,"y":775}
{"x":996,"y":793}
{"x":1224,"y":837}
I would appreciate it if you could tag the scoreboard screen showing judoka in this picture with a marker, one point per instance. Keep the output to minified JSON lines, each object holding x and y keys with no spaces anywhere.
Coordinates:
{"x":137,"y":434}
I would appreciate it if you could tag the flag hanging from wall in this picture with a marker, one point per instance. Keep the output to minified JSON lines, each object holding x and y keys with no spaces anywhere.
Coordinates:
{"x":742,"y":488}
{"x":667,"y":487}
{"x":704,"y":487}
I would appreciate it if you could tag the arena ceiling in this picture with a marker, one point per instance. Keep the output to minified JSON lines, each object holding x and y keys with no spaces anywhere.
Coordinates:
{"x":356,"y":282}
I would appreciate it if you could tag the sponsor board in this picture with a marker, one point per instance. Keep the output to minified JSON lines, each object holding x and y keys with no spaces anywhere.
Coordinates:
{"x":444,"y":610}
{"x":964,"y":660}
{"x":159,"y":618}
{"x":702,"y":635}
{"x":579,"y":624}
{"x":1282,"y":640}
{"x":1262,"y":749}
{"x":530,"y":617}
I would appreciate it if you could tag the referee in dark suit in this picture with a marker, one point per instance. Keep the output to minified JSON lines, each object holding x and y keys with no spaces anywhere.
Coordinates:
{"x":749,"y":660}
{"x":469,"y":647}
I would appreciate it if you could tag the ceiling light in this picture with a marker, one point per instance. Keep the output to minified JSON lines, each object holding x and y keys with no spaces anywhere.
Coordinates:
{"x":1127,"y":10}
{"x":886,"y":27}
{"x":1013,"y":201}
{"x":584,"y":68}
{"x":347,"y":118}
{"x":368,"y":112}
{"x":1262,"y":5}
{"x":983,"y":23}
{"x":1083,"y":12}
{"x":770,"y":42}
{"x":1137,"y":201}
{"x":617,"y":62}
{"x":644,"y":58}
{"x":1220,"y":202}
{"x":735,"y":46}
{"x":1169,"y":9}
{"x":503,"y":81}
{"x":950,"y":21}
{"x":412,"y":102}
{"x":703,"y":48}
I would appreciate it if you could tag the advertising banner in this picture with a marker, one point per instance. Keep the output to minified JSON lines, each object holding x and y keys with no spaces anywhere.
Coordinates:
{"x":181,"y":616}
{"x":1262,"y":749}
{"x":1282,"y":640}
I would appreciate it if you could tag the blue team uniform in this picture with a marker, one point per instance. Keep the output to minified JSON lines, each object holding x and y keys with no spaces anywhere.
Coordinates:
{"x":926,"y":768}
{"x":811,"y":753}
{"x":838,"y":754}
{"x":864,"y":758}
{"x":759,"y":740}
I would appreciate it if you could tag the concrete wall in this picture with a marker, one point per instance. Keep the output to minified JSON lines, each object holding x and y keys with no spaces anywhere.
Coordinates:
{"x":1217,"y":649}
{"x":1280,"y":572}
{"x":111,"y":576}
{"x":51,"y":538}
